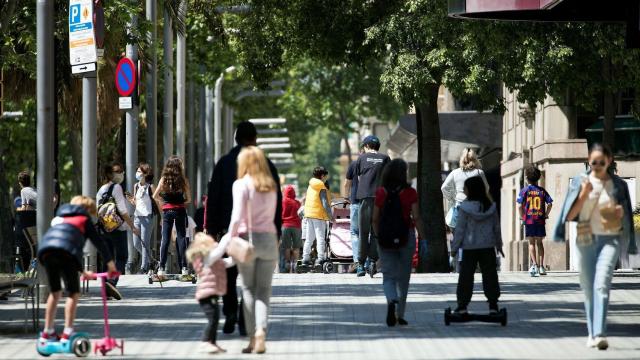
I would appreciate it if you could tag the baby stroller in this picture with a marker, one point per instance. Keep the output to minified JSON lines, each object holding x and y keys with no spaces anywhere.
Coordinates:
{"x":339,"y":250}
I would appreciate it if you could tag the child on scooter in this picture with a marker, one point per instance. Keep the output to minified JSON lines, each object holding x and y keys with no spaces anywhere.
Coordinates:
{"x":478,"y":235}
{"x":60,"y":252}
{"x":212,"y":284}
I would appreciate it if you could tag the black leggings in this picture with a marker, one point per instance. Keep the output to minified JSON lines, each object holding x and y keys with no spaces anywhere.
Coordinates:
{"x":488,"y":266}
{"x":212,"y":312}
{"x":179,"y":217}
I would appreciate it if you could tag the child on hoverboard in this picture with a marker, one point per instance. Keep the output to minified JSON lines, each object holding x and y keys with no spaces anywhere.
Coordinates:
{"x":478,"y":235}
{"x":60,"y":252}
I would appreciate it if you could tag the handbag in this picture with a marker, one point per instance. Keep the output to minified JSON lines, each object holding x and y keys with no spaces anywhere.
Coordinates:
{"x":584,"y":232}
{"x":610,"y":221}
{"x":452,"y":217}
{"x":239,"y":249}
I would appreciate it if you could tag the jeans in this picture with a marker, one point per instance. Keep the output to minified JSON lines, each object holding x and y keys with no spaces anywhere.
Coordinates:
{"x":142,"y":243}
{"x":117,"y":244}
{"x":487,"y":260}
{"x":179,"y":217}
{"x":355,"y":230}
{"x":368,"y":245}
{"x":396,"y":271}
{"x":316,"y":229}
{"x":211,"y":311}
{"x":257,"y":276}
{"x":597,"y":262}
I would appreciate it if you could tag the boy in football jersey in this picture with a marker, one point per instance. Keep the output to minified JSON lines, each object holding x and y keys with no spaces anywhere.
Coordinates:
{"x":535,"y":206}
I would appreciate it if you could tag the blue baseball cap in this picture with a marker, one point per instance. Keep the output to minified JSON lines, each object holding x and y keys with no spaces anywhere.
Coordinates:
{"x":371,"y":140}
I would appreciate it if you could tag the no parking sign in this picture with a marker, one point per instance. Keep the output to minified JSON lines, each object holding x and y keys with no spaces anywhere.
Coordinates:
{"x":125,"y":79}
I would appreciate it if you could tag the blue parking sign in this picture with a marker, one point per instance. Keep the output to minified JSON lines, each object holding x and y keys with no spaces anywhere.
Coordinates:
{"x":74,"y":14}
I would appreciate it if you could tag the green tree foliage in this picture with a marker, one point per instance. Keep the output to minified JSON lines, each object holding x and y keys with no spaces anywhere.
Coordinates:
{"x":336,"y":97}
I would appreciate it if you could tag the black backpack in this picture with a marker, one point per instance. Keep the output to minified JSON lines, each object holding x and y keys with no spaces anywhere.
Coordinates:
{"x":393,"y":230}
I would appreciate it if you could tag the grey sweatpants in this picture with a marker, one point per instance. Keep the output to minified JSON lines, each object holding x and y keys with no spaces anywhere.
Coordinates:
{"x":257,"y":275}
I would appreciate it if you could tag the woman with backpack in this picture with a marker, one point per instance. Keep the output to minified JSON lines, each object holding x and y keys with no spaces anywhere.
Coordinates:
{"x":173,"y":193}
{"x":113,"y":217}
{"x":146,"y":209}
{"x":478,"y":235}
{"x":396,"y":217}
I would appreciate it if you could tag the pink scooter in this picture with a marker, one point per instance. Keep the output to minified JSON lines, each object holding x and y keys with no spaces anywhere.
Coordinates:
{"x":107,"y":343}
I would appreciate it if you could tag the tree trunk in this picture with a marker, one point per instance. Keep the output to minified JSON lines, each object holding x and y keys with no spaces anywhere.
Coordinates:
{"x":6,"y":230}
{"x":74,"y":137}
{"x":609,"y":108}
{"x":345,"y":137}
{"x":429,"y":182}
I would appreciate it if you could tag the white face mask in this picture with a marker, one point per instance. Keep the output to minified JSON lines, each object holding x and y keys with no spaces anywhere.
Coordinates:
{"x":138,"y":176}
{"x":118,"y":178}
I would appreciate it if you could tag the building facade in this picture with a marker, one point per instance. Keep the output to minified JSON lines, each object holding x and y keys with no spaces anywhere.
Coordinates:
{"x":547,"y":137}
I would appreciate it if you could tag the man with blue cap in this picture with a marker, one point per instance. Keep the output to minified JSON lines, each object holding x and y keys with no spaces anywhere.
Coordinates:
{"x":368,"y":168}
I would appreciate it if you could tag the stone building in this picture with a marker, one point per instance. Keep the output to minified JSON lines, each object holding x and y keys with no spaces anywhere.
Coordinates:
{"x":553,"y":137}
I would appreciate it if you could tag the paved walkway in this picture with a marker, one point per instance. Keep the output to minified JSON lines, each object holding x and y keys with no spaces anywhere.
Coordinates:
{"x":317,"y":316}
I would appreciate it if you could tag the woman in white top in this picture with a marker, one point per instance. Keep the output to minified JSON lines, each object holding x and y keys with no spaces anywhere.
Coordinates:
{"x":145,"y":209}
{"x":600,"y":201}
{"x":113,"y":176}
{"x":453,"y":186}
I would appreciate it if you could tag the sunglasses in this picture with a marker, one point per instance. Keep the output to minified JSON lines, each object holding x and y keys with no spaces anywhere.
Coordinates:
{"x":598,"y":163}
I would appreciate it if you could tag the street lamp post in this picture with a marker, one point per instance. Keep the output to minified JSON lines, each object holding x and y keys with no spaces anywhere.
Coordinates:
{"x":217,"y":117}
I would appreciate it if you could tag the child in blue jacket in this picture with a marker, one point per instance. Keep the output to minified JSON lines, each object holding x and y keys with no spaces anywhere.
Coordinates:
{"x":60,"y":252}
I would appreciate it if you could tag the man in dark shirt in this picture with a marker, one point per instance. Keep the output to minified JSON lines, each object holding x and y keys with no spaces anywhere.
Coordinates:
{"x":368,"y":168}
{"x":218,"y":213}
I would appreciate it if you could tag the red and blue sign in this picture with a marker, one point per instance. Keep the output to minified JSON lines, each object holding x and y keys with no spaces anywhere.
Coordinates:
{"x":125,"y":77}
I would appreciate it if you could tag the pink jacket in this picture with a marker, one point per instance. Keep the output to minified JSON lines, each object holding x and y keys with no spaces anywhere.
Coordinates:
{"x":212,"y":280}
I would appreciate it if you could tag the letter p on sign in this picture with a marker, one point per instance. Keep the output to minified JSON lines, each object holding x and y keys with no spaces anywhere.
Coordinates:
{"x":74,"y":14}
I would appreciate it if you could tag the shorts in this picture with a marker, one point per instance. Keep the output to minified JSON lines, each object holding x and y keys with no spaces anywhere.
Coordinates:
{"x":291,"y":238}
{"x":535,"y":230}
{"x":61,"y":265}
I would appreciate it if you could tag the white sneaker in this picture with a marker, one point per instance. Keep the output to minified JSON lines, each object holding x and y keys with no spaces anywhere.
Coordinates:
{"x":161,"y":272}
{"x":601,"y":343}
{"x":185,"y":271}
{"x":590,"y":342}
{"x":542,"y":270}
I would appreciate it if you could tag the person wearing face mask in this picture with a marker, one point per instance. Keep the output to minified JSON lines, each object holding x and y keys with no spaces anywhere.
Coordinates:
{"x":599,"y":201}
{"x":113,"y":176}
{"x":145,"y":209}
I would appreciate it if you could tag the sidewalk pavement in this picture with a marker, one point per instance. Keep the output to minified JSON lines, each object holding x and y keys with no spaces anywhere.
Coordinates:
{"x":340,"y":316}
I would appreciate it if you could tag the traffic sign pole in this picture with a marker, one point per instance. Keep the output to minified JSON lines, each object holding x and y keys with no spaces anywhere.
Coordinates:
{"x":131,"y":143}
{"x":89,"y":154}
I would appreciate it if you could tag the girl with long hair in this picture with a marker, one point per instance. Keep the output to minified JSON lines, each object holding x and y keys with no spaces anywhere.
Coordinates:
{"x":254,"y":208}
{"x":478,"y":235}
{"x":396,"y":260}
{"x":599,"y":201}
{"x":173,"y":193}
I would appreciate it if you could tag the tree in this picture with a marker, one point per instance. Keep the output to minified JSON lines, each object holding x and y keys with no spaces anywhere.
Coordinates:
{"x":419,"y":48}
{"x":337,"y":97}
